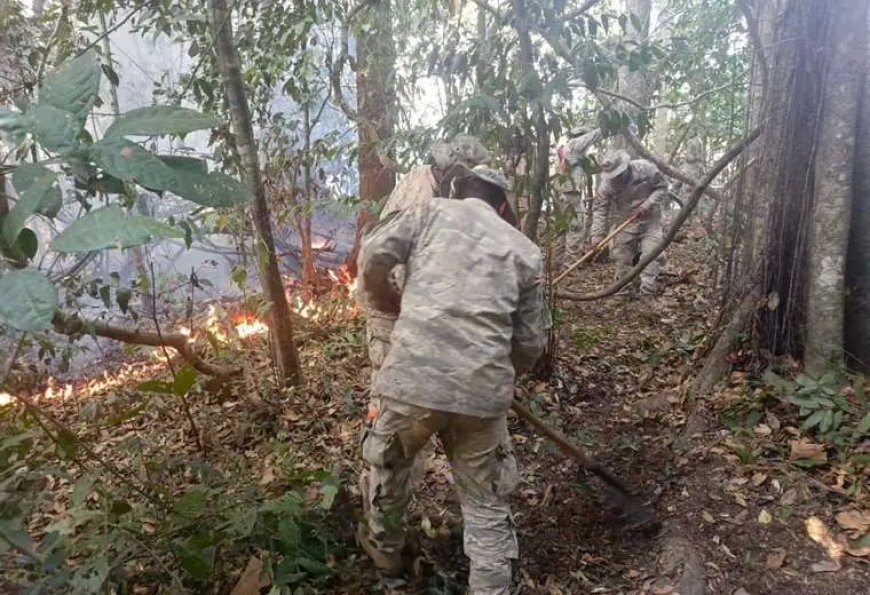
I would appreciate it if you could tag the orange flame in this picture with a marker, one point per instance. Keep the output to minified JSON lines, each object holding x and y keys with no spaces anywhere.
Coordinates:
{"x":247,"y":325}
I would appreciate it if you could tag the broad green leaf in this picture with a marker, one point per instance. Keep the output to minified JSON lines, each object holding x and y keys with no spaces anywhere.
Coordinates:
{"x":195,"y":184}
{"x":159,"y":120}
{"x":130,"y":162}
{"x":193,"y":503}
{"x":73,"y":87}
{"x":107,"y":228}
{"x":36,"y":185}
{"x":27,"y":243}
{"x":184,"y":380}
{"x":54,"y":128}
{"x":816,"y":419}
{"x":28,"y":300}
{"x":195,"y":564}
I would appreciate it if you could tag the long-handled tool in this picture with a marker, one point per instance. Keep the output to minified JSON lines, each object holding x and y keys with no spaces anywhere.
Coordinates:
{"x":596,"y":249}
{"x":638,"y":514}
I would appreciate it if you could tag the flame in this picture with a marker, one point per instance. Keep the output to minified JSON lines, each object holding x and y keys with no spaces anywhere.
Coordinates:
{"x":248,"y":325}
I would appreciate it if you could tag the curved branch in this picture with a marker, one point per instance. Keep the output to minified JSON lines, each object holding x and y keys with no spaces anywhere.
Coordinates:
{"x":67,"y":324}
{"x":691,"y":203}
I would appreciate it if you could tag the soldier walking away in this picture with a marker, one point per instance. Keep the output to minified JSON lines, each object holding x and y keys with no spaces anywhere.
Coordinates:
{"x":470,"y":318}
{"x":631,"y":187}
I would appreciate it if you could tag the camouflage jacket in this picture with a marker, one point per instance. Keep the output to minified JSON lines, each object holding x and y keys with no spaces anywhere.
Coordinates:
{"x":647,"y":187}
{"x":472,"y":310}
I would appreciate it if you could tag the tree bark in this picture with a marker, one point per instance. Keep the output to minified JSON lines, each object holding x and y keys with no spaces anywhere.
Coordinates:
{"x":857,"y":316}
{"x":834,"y":167}
{"x":540,"y":128}
{"x":634,"y":85}
{"x":376,"y":103}
{"x":286,"y":358}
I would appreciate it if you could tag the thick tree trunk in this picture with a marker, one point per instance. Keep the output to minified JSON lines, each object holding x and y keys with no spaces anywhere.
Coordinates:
{"x":376,"y":103}
{"x":781,"y":177}
{"x":832,"y":205}
{"x":858,"y":261}
{"x":286,"y":358}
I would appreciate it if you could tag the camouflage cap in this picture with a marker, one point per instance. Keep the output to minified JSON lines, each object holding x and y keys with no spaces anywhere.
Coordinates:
{"x":463,"y":148}
{"x":615,"y":165}
{"x":493,"y":176}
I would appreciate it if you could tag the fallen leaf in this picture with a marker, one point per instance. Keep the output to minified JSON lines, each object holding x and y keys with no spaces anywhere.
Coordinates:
{"x":775,"y":560}
{"x":804,"y":449}
{"x":789,"y":497}
{"x":663,"y":590}
{"x":855,"y":521}
{"x":764,"y":517}
{"x":819,"y":532}
{"x":252,"y":580}
{"x":708,"y":517}
{"x":741,"y":591}
{"x":758,"y":479}
{"x":826,"y":566}
{"x":763,"y":430}
{"x":740,"y":499}
{"x":858,"y":547}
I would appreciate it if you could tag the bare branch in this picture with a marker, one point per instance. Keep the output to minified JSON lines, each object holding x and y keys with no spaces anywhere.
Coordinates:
{"x":66,"y":324}
{"x":691,"y":203}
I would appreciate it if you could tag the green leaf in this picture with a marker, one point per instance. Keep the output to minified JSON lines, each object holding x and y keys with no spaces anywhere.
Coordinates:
{"x":54,"y":128}
{"x":27,"y":243}
{"x":29,"y":300}
{"x":328,"y":492}
{"x":196,"y":565}
{"x":863,"y":427}
{"x":155,"y":386}
{"x":38,"y":188}
{"x":184,"y":380}
{"x":82,"y":489}
{"x":123,"y":296}
{"x":89,"y":579}
{"x":815,"y":419}
{"x":74,"y":87}
{"x":67,"y":444}
{"x":195,"y":184}
{"x":120,"y":508}
{"x":130,"y":162}
{"x":107,"y":228}
{"x":193,"y":503}
{"x":159,"y":120}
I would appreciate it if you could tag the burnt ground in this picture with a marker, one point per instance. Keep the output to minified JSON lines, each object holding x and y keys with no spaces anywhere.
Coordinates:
{"x":734,"y":508}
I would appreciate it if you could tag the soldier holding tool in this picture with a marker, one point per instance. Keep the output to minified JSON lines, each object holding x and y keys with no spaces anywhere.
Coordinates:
{"x":470,"y":318}
{"x":631,"y":188}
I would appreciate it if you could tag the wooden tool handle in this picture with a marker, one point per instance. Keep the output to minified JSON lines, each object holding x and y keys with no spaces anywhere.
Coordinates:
{"x":595,"y":250}
{"x":569,"y":449}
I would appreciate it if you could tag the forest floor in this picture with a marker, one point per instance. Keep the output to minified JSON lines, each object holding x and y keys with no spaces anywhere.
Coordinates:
{"x":741,"y":514}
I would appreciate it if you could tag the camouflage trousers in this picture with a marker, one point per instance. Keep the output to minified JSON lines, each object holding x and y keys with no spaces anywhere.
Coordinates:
{"x":485,"y":471}
{"x":636,"y":241}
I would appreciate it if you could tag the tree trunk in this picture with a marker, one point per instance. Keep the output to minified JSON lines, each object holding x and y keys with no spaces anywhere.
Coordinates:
{"x":376,"y":103}
{"x":781,"y":177}
{"x":540,"y":128}
{"x":858,"y":261}
{"x":634,"y":85}
{"x":832,"y":204}
{"x":286,"y":358}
